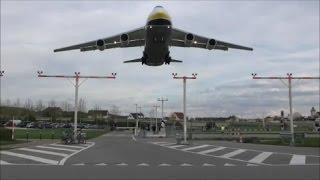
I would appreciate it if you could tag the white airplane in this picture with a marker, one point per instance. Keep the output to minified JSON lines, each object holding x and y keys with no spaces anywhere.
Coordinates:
{"x":156,"y":37}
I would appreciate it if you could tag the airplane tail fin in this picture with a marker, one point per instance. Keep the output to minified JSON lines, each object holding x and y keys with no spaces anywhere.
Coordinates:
{"x":176,"y":61}
{"x":133,"y":61}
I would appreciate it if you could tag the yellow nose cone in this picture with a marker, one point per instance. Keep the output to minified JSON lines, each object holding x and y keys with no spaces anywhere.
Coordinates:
{"x":159,"y":14}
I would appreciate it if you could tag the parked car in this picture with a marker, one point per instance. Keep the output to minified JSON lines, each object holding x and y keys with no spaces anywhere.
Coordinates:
{"x":23,"y":124}
{"x":32,"y":125}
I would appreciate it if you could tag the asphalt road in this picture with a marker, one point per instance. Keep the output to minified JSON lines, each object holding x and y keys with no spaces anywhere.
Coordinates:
{"x":118,"y":155}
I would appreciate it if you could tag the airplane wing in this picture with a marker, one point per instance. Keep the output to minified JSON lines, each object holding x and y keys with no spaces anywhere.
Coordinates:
{"x":132,"y":38}
{"x":182,"y":38}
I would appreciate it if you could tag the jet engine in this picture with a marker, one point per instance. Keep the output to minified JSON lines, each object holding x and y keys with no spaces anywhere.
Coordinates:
{"x":100,"y":44}
{"x":188,"y":40}
{"x":211,"y":44}
{"x":124,"y":39}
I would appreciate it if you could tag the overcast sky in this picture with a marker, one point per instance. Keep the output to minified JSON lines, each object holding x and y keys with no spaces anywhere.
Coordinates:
{"x":284,"y":35}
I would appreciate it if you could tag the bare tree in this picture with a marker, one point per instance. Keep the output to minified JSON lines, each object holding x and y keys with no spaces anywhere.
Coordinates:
{"x":82,"y":105}
{"x":28,"y":104}
{"x":17,"y":103}
{"x":8,"y":102}
{"x":39,"y":105}
{"x":52,"y":103}
{"x":66,"y":106}
{"x":115,"y":110}
{"x":96,"y":107}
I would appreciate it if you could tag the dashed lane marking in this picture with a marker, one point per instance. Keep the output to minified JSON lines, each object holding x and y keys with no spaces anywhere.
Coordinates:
{"x":34,"y":158}
{"x":298,"y":160}
{"x":43,"y":152}
{"x":207,"y":164}
{"x":143,"y":164}
{"x":211,"y":150}
{"x":67,"y":146}
{"x":185,"y":164}
{"x":233,"y":153}
{"x":55,"y":148}
{"x":164,"y":164}
{"x":195,"y":147}
{"x":101,"y":164}
{"x":228,"y":164}
{"x":122,"y":164}
{"x":260,"y":157}
{"x":167,"y":144}
{"x":78,"y":164}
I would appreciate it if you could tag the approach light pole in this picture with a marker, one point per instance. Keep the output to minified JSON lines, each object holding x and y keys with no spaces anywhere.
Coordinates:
{"x":156,"y":106}
{"x":1,"y":74}
{"x":162,"y":102}
{"x":77,"y":84}
{"x":184,"y":78}
{"x":136,"y":129}
{"x":289,"y":77}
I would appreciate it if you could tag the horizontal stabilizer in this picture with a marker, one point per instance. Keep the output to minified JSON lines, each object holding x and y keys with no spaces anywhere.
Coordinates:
{"x":175,"y":61}
{"x":133,"y":61}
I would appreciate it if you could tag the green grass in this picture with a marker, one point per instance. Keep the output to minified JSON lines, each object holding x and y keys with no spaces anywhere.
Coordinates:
{"x":52,"y":133}
{"x":307,"y":142}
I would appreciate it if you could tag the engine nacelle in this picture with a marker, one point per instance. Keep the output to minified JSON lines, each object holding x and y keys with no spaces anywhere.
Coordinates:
{"x":211,"y":44}
{"x":188,"y":39}
{"x":124,"y":39}
{"x":100,"y":44}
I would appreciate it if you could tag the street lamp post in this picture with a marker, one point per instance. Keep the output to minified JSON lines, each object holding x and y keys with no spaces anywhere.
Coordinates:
{"x":289,"y":77}
{"x":184,"y":78}
{"x":156,"y":106}
{"x":77,"y":84}
{"x":162,"y":102}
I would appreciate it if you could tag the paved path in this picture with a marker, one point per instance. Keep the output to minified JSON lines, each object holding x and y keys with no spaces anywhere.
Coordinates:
{"x":118,"y":155}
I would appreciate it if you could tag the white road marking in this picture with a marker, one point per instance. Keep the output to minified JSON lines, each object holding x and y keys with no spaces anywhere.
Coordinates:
{"x":68,"y":146}
{"x":167,"y":144}
{"x":143,"y":164}
{"x":251,"y":164}
{"x":64,"y":159}
{"x":43,"y":152}
{"x":159,"y":142}
{"x":207,"y":164}
{"x":78,"y":164}
{"x":195,"y":147}
{"x":55,"y":148}
{"x":298,"y":160}
{"x":227,"y":164}
{"x":260,"y":157}
{"x":164,"y":164}
{"x":4,"y":162}
{"x":185,"y":164}
{"x":34,"y":158}
{"x":133,"y":138}
{"x":211,"y":150}
{"x":233,"y":153}
{"x":101,"y":164}
{"x":122,"y":164}
{"x":176,"y":146}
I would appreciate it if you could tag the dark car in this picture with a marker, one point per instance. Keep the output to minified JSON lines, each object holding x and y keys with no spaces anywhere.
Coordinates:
{"x":23,"y":124}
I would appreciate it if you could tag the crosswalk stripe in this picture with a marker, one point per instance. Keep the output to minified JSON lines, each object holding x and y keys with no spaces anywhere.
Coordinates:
{"x":260,"y":157}
{"x":164,"y":164}
{"x":167,"y":144}
{"x":43,"y":152}
{"x":233,"y":153}
{"x":211,"y":150}
{"x":176,"y":146}
{"x":298,"y":160}
{"x":55,"y":148}
{"x":34,"y":158}
{"x":61,"y":145}
{"x":195,"y":147}
{"x":4,"y":162}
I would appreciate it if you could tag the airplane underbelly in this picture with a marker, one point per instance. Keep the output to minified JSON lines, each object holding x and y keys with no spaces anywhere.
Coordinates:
{"x":157,"y":45}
